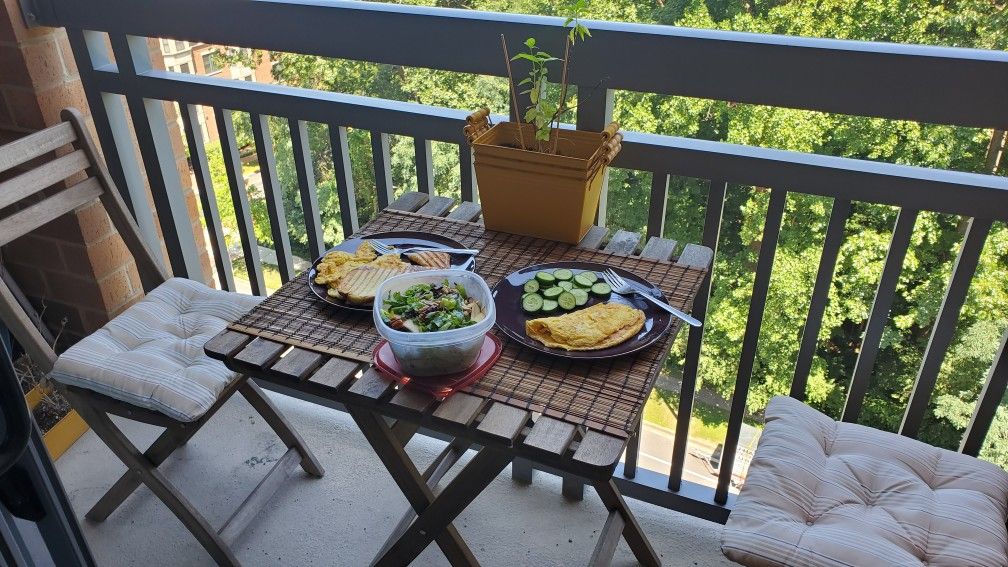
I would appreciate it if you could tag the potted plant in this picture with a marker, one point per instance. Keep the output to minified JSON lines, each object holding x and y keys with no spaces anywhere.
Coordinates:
{"x":61,"y":426}
{"x":535,"y":178}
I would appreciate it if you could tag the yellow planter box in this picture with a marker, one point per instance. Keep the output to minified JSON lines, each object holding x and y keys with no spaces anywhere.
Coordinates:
{"x":66,"y":431}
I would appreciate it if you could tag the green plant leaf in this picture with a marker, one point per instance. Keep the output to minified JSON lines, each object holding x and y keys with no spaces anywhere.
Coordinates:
{"x":530,"y":42}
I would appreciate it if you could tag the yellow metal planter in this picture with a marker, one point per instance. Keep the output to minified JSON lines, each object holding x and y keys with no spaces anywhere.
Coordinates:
{"x":65,"y":433}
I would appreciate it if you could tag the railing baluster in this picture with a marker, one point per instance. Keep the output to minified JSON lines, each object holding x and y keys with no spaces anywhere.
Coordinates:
{"x":424,"y":165}
{"x":988,"y":403}
{"x":594,"y":113}
{"x":274,"y":195}
{"x":208,"y":199}
{"x":656,"y":209}
{"x":239,"y":199}
{"x":151,"y":128}
{"x":820,"y":295}
{"x":687,"y":390}
{"x":382,"y":168}
{"x":301,"y":144}
{"x":945,"y":324}
{"x":757,"y":305}
{"x":110,"y":121}
{"x":466,"y":171}
{"x":340,"y":149}
{"x":879,"y":314}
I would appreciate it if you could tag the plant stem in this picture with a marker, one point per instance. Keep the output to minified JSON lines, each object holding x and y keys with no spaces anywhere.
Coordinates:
{"x":514,"y":93}
{"x":563,"y":95}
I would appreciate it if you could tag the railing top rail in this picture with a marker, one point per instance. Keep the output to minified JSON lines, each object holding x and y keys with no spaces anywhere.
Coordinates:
{"x":970,"y":194}
{"x":945,"y":85}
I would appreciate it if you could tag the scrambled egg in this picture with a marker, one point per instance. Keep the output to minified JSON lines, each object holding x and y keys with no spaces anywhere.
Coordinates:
{"x":338,"y":264}
{"x":600,"y":326}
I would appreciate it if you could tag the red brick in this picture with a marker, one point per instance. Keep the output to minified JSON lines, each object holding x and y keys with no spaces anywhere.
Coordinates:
{"x":134,"y":278}
{"x":28,"y":277}
{"x":80,"y":291}
{"x":75,"y":258}
{"x":66,"y":53}
{"x":12,"y":67}
{"x":65,"y":229}
{"x":43,"y":62}
{"x":59,"y":316}
{"x":12,"y":27}
{"x":52,"y":101}
{"x":92,"y":320}
{"x":108,"y":255}
{"x":33,"y":250}
{"x":94,"y":222}
{"x":24,"y":109}
{"x":115,"y":289}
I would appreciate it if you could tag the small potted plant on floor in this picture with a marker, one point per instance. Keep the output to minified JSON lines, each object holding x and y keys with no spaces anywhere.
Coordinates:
{"x":535,"y":178}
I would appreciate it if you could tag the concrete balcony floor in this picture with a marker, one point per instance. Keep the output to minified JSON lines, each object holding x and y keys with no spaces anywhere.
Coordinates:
{"x":343,"y":518}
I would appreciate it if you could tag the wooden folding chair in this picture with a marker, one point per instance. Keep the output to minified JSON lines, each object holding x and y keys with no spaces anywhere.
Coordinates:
{"x":147,"y":364}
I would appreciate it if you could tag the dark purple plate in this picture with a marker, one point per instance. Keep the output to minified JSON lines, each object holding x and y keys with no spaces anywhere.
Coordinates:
{"x":511,"y":318}
{"x":401,"y":240}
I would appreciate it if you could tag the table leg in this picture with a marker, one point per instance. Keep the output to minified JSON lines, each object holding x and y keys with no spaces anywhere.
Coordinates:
{"x":463,"y":489}
{"x":635,"y":538}
{"x":413,"y":486}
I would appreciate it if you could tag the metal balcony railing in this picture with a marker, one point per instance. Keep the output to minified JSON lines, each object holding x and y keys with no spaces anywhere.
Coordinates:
{"x":928,"y":84}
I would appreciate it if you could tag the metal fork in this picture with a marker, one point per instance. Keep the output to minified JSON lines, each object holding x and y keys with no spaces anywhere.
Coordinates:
{"x":622,"y":287}
{"x":383,"y":249}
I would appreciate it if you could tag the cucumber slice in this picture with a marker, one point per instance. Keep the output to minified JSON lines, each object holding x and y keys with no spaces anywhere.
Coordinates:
{"x":580,"y":296}
{"x":532,"y":302}
{"x":549,"y":306}
{"x":553,"y":292}
{"x":566,"y":285}
{"x":531,"y":286}
{"x":563,"y":274}
{"x":545,"y":277}
{"x":585,"y":279}
{"x":601,"y":289}
{"x":567,"y":301}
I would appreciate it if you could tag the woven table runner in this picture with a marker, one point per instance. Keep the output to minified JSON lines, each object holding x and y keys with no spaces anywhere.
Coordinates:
{"x":603,"y":395}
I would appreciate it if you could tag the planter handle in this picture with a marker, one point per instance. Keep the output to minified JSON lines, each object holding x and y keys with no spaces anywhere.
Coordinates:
{"x":610,"y":131}
{"x":476,"y":124}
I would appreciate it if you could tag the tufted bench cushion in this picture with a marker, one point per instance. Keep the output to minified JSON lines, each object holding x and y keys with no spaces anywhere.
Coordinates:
{"x":821,"y":492}
{"x":151,"y":355}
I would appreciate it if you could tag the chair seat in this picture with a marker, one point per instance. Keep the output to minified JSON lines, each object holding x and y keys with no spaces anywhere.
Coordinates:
{"x":821,"y":492}
{"x":151,"y":355}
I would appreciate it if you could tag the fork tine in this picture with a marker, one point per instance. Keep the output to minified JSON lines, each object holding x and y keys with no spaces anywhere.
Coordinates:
{"x":613,"y":280}
{"x":608,"y":280}
{"x":620,"y":279}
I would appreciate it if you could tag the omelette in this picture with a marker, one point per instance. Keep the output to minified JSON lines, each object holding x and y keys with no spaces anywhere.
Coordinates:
{"x":600,"y":326}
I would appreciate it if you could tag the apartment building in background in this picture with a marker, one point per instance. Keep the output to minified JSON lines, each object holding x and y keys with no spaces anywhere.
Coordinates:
{"x":198,"y":58}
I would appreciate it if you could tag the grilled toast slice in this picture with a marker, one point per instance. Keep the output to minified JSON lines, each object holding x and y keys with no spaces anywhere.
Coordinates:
{"x":359,"y":286}
{"x":431,"y":259}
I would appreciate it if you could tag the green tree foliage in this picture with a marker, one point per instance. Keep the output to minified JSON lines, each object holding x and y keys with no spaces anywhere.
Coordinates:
{"x":936,"y":238}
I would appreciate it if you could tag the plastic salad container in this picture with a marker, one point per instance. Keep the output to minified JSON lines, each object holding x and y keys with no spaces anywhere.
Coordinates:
{"x":437,"y":353}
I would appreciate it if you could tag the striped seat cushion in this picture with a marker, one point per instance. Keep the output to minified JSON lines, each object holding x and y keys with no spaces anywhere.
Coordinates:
{"x":151,"y":355}
{"x":821,"y":492}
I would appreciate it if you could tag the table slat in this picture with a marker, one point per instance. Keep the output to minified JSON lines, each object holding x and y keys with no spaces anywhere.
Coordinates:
{"x":593,"y":239}
{"x":298,"y":364}
{"x":658,"y":248}
{"x":371,"y":385}
{"x":503,"y":422}
{"x":226,"y":344}
{"x":599,"y":450}
{"x":459,"y":409}
{"x":466,"y":211}
{"x":550,"y":435}
{"x":436,"y":206}
{"x":260,"y":352}
{"x":335,"y":372}
{"x":409,"y":201}
{"x":412,"y":400}
{"x":623,"y":242}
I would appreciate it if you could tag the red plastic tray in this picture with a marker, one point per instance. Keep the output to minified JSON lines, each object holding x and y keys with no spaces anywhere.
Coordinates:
{"x":438,"y":386}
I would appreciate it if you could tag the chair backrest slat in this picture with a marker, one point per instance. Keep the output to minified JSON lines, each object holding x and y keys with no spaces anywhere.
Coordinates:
{"x":36,"y":208}
{"x":34,"y":145}
{"x":45,"y":175}
{"x":43,"y":212}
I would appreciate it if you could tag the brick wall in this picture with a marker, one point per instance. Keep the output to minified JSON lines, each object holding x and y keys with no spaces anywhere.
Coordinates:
{"x":76,"y":269}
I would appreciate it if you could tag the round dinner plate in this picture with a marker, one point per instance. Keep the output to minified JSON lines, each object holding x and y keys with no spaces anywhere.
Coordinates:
{"x":398,"y":239}
{"x":511,"y":317}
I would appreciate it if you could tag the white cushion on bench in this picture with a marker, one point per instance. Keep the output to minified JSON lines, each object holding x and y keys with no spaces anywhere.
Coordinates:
{"x":821,"y":492}
{"x":151,"y":355}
